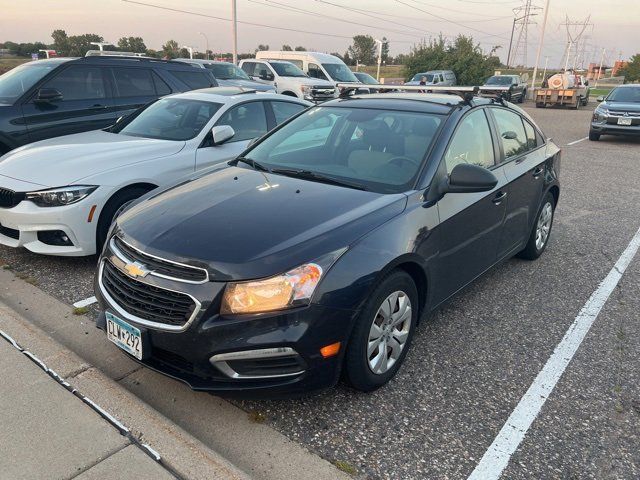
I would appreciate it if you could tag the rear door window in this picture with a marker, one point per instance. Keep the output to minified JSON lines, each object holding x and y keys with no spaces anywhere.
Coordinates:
{"x":531,"y":135}
{"x":133,"y":82}
{"x":79,"y":83}
{"x":194,"y":79}
{"x":161,"y":86}
{"x":511,"y":132}
{"x":284,"y":110}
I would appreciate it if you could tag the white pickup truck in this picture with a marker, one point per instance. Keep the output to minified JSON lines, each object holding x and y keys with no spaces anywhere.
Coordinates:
{"x":288,"y":79}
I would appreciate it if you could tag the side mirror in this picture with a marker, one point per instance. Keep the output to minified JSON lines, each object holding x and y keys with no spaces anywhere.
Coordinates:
{"x":222,"y":133}
{"x":266,"y":76}
{"x":47,"y":95}
{"x":600,"y":98}
{"x":509,"y":135}
{"x":469,"y":178}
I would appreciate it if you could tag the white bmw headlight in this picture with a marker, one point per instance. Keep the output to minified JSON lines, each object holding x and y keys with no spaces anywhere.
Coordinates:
{"x":58,"y":197}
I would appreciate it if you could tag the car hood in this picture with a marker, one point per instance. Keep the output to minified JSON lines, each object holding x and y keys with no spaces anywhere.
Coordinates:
{"x":259,"y":87}
{"x":65,"y":160}
{"x":622,"y":106}
{"x":244,"y":224}
{"x":313,"y":82}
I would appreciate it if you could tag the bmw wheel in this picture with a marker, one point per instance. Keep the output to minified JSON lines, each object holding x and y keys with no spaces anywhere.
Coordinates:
{"x":383,"y":333}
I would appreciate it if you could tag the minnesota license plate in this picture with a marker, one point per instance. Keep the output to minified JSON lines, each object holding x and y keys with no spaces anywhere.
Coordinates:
{"x":125,"y":336}
{"x":624,"y":121}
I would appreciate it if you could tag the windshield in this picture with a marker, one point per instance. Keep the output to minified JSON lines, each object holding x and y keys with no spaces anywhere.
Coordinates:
{"x":287,"y":69}
{"x":17,"y":81}
{"x":169,"y":119}
{"x":379,"y":150}
{"x":499,"y":81}
{"x":366,"y":78}
{"x":339,"y":72}
{"x":626,"y":94}
{"x":418,"y":77}
{"x":227,"y":71}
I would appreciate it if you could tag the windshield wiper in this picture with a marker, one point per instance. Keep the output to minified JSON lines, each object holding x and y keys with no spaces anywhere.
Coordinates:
{"x":251,"y":162}
{"x":318,"y":177}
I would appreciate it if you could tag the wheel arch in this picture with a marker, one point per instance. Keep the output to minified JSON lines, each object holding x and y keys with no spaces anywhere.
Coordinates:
{"x":555,"y":191}
{"x":144,"y":185}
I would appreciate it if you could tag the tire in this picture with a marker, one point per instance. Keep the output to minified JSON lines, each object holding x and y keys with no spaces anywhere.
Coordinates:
{"x":544,"y":217}
{"x":539,"y":105}
{"x":397,"y":288}
{"x":522,"y":96}
{"x":578,"y":104}
{"x":585,"y":101}
{"x":594,"y":137}
{"x":112,"y":207}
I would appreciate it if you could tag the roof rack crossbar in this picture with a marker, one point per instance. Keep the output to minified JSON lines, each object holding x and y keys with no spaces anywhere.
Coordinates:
{"x":465,"y":92}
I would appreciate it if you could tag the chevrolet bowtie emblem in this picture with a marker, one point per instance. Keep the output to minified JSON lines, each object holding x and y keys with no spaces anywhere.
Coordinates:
{"x":136,"y":269}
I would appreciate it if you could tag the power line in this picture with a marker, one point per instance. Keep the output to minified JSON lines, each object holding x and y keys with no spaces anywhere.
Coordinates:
{"x":450,"y":21}
{"x":493,"y":18}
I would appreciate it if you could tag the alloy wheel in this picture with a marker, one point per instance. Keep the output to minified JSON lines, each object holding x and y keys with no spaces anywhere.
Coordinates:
{"x":544,"y":225}
{"x":389,"y":332}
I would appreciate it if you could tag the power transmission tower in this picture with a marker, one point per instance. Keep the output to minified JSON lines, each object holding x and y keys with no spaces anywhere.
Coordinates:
{"x":521,"y":21}
{"x":575,"y":30}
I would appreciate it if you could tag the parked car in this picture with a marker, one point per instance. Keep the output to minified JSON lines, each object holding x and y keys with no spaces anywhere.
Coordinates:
{"x":59,"y":196}
{"x":511,"y":87}
{"x":442,"y":78}
{"x":315,"y":64}
{"x":288,"y":79}
{"x":60,"y":96}
{"x":617,"y":114}
{"x":318,"y":250}
{"x":228,"y":74}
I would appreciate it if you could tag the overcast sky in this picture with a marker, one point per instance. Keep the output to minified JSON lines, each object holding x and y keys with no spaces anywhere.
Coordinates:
{"x":616,"y":23}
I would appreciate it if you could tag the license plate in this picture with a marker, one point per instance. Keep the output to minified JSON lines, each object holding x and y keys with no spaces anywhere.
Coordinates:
{"x":624,"y":121}
{"x":125,"y":336}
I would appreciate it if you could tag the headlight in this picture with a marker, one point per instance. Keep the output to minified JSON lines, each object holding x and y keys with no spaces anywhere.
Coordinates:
{"x":306,"y":91}
{"x":600,"y":114}
{"x":291,"y":289}
{"x":58,"y":197}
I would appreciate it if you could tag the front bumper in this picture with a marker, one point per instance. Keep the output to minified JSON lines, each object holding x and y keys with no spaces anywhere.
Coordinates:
{"x":605,"y":128}
{"x":21,"y":224}
{"x":186,"y":354}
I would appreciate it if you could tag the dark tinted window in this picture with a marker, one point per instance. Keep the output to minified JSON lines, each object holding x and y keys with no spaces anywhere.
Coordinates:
{"x":248,"y":120}
{"x":471,"y":143}
{"x":283,"y":110}
{"x":531,"y":135}
{"x":79,"y":83}
{"x":194,"y":79}
{"x":511,"y":132}
{"x":249,"y":67}
{"x":133,"y":82}
{"x":315,"y":72}
{"x":161,"y":87}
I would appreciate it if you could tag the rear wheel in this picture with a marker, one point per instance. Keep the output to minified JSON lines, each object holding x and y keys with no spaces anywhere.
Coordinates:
{"x":112,"y":209}
{"x":594,"y":137}
{"x":523,"y":96}
{"x":541,"y":230}
{"x":539,"y":105}
{"x":383,"y":332}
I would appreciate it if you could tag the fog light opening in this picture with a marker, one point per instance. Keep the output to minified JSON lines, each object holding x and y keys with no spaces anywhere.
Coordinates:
{"x":330,"y":350}
{"x":56,"y":238}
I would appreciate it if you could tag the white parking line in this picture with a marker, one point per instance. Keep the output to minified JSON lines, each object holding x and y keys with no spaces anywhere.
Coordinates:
{"x":85,"y":303}
{"x":496,"y":458}
{"x":577,"y":141}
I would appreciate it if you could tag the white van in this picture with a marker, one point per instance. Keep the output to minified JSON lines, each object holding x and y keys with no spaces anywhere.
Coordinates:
{"x":317,"y":65}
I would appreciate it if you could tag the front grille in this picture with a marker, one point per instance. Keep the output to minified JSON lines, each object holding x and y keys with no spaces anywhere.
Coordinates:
{"x":9,"y":232}
{"x":172,"y":359}
{"x":9,"y":198}
{"x":146,"y":301}
{"x":322,"y":93}
{"x":162,"y":267}
{"x":622,"y":113}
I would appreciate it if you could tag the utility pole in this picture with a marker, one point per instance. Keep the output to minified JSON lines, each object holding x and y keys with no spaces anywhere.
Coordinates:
{"x":544,"y":73}
{"x":540,"y":43}
{"x":379,"y":42}
{"x":234,"y":21}
{"x":600,"y":67}
{"x":189,"y":49}
{"x":207,"y":42}
{"x":575,"y":30}
{"x":566,"y":63}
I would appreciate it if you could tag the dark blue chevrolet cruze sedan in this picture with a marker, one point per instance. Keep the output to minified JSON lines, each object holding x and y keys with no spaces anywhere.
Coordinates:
{"x":316,"y":253}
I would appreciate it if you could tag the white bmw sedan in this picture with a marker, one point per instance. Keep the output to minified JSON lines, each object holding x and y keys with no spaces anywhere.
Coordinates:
{"x":59,"y":196}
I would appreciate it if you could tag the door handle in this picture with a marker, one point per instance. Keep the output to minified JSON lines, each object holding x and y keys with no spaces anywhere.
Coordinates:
{"x":97,"y":107}
{"x":500,"y":196}
{"x":537,"y":172}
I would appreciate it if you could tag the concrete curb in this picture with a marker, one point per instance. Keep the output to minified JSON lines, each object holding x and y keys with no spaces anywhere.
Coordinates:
{"x":183,"y":454}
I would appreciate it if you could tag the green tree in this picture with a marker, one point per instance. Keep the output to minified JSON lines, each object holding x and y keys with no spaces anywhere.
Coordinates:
{"x":132,"y":44}
{"x":385,"y":49}
{"x":363,"y":49}
{"x":262,"y":48}
{"x":80,"y":44}
{"x":300,"y":49}
{"x":631,"y":71}
{"x":60,"y":42}
{"x":170,"y":49}
{"x":286,"y":48}
{"x":464,"y":57}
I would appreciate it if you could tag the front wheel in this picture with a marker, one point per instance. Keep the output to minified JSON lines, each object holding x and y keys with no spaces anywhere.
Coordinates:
{"x":541,"y":230}
{"x":383,"y":332}
{"x":594,"y":137}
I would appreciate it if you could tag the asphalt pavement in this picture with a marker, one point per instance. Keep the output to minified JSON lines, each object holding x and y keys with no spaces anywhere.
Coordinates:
{"x":473,"y":360}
